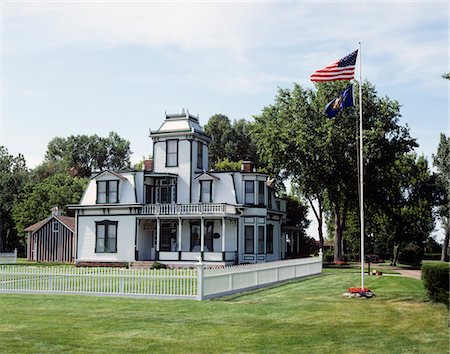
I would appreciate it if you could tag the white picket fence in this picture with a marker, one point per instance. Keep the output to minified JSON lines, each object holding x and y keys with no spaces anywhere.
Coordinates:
{"x":6,"y":258}
{"x":199,"y":283}
{"x":229,"y":280}
{"x":161,"y":283}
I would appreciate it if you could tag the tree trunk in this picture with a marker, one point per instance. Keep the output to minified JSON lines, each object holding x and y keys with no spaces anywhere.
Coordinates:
{"x":444,"y":254}
{"x":339,"y":223}
{"x":319,"y":217}
{"x":395,"y":255}
{"x":1,"y":236}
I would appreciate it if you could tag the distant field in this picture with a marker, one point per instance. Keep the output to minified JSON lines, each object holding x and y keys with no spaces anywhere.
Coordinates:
{"x":308,"y":316}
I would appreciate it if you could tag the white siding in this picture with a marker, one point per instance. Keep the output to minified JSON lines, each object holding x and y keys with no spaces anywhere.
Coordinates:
{"x":125,"y":239}
{"x":139,"y":185}
{"x":126,"y":189}
{"x":183,"y":170}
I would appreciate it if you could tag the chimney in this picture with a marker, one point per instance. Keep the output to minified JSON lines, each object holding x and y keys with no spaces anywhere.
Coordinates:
{"x":247,"y":166}
{"x":148,"y":165}
{"x":55,"y":211}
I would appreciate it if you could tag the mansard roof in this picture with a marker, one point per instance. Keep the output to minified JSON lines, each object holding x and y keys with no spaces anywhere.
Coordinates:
{"x":177,"y":123}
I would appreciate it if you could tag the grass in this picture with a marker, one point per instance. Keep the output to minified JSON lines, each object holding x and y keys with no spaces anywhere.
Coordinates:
{"x":308,"y":316}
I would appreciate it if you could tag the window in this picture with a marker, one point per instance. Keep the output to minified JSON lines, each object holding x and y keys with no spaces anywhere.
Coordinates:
{"x":249,"y":192}
{"x":171,"y":153}
{"x":195,"y":237}
{"x":260,"y":239}
{"x":205,"y":191}
{"x":106,"y":237}
{"x":209,"y":240}
{"x":269,"y":204}
{"x":200,"y":155}
{"x":107,"y":192}
{"x":269,"y":239}
{"x":261,"y":189}
{"x":164,"y":190}
{"x":249,"y":239}
{"x":55,"y":226}
{"x":168,"y":236}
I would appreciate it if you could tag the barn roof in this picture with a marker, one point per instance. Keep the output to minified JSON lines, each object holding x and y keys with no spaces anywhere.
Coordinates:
{"x":67,"y":221}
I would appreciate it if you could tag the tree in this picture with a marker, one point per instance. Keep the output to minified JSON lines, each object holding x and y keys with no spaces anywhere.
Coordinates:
{"x":37,"y":199}
{"x":227,"y":165}
{"x":442,"y":163}
{"x":220,"y":130}
{"x":13,"y":176}
{"x":232,"y":141}
{"x":83,"y":154}
{"x":320,"y":154}
{"x":407,"y":214}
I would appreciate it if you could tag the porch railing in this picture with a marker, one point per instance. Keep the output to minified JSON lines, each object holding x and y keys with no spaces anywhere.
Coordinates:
{"x":188,"y":209}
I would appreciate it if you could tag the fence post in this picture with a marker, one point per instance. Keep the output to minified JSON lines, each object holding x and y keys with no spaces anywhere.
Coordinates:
{"x":122,"y":284}
{"x":200,"y":273}
{"x":15,"y":255}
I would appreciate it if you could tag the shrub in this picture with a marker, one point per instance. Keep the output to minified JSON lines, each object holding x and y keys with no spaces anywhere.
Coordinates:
{"x":157,"y":265}
{"x":432,"y":256}
{"x":435,"y":278}
{"x":329,"y":256}
{"x":351,"y":257}
{"x":411,"y":254}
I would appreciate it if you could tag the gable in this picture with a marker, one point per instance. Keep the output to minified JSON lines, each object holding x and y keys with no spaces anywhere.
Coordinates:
{"x":67,"y":221}
{"x":206,"y":176}
{"x":108,"y":176}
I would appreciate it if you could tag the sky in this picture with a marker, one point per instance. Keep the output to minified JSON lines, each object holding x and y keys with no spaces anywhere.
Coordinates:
{"x":90,"y":67}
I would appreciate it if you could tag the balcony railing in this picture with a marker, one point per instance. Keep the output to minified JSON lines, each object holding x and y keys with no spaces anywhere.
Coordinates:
{"x":188,"y":209}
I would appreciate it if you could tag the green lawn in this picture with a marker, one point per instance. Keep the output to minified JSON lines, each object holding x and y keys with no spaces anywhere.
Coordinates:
{"x":308,"y":316}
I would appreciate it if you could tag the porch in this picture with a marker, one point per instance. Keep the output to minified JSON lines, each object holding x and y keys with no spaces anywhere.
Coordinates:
{"x":184,"y":240}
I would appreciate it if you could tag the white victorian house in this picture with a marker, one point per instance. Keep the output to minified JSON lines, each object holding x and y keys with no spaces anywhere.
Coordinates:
{"x":176,"y":211}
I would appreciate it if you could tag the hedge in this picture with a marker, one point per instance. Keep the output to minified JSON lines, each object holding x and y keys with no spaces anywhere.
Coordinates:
{"x":435,"y":278}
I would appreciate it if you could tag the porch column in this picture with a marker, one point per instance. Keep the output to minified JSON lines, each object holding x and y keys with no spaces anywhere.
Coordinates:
{"x":202,"y":235}
{"x":179,"y":234}
{"x":223,"y":234}
{"x":158,"y":233}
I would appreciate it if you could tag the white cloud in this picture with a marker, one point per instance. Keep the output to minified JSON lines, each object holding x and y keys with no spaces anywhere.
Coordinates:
{"x":247,"y":47}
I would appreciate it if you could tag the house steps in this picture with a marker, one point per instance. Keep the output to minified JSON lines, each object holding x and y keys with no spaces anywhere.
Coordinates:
{"x":141,"y":264}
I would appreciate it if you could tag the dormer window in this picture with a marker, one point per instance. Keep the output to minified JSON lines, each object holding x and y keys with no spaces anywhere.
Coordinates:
{"x":200,"y":155}
{"x":171,"y":153}
{"x":249,"y":193}
{"x":206,"y":191}
{"x":107,"y":192}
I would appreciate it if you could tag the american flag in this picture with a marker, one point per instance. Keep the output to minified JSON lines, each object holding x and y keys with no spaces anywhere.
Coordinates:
{"x":343,"y":69}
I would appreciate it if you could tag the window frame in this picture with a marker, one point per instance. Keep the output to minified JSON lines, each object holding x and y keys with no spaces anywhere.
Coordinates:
{"x":106,"y":237}
{"x":202,"y":184}
{"x":55,"y":226}
{"x":200,"y":155}
{"x":248,"y":194}
{"x":269,"y":238}
{"x":175,"y":141}
{"x":261,"y":193}
{"x":261,"y":244}
{"x":108,"y":191}
{"x":249,"y":239}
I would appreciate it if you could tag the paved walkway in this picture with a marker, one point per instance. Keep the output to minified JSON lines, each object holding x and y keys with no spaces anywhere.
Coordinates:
{"x":411,"y":273}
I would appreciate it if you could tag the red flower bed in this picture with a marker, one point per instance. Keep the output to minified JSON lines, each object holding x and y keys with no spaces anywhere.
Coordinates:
{"x":358,"y":290}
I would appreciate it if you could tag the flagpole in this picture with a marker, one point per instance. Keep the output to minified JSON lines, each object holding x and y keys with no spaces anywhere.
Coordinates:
{"x":361,"y":170}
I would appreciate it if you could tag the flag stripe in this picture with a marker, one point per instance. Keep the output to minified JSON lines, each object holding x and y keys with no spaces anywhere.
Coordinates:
{"x":343,"y":69}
